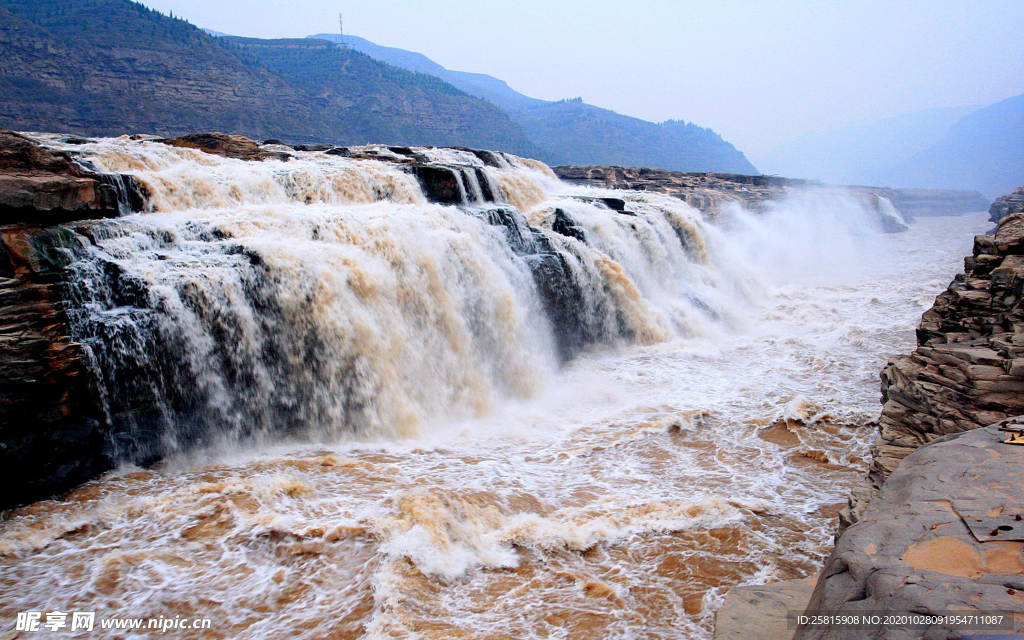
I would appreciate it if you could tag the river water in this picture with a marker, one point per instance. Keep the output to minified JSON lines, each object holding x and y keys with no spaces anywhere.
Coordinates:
{"x":371,"y":428}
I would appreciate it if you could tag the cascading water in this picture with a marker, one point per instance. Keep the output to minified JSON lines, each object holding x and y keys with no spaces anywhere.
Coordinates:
{"x":538,"y":411}
{"x":325,"y":297}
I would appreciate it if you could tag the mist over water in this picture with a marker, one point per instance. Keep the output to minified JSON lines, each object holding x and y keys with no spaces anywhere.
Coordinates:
{"x":377,"y":426}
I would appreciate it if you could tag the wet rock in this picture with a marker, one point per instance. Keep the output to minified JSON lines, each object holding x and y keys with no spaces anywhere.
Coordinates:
{"x":912,"y":551}
{"x":760,"y":611}
{"x":1005,"y":205}
{"x":42,"y":186}
{"x":50,"y":420}
{"x":314,"y":147}
{"x":576,"y":327}
{"x":964,"y":373}
{"x":229,"y":146}
{"x":440,"y":184}
{"x":565,"y":225}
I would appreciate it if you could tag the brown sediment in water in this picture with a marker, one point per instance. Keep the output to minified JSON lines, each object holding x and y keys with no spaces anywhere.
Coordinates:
{"x":272,"y":538}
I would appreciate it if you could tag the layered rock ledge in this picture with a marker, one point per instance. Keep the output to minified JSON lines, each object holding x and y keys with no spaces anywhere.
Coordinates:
{"x":1006,"y":205}
{"x":968,"y":370}
{"x":912,"y":552}
{"x":710,"y":191}
{"x":43,"y":186}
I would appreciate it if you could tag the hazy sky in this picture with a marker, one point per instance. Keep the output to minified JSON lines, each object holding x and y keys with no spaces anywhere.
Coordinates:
{"x":758,"y":72}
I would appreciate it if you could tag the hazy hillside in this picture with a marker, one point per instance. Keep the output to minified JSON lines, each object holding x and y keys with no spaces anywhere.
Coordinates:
{"x":376,"y":101}
{"x":862,"y":154}
{"x":106,"y":67}
{"x":478,"y":84}
{"x":983,"y":151}
{"x":574,"y":132}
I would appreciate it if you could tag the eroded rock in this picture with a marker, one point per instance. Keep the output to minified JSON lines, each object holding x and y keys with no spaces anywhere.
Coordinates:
{"x":912,"y":553}
{"x":50,"y":419}
{"x":227,"y":145}
{"x":709,"y":192}
{"x":43,"y":186}
{"x":1005,"y":205}
{"x":967,"y":370}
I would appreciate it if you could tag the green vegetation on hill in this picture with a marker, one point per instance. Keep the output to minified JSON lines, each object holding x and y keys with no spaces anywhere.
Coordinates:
{"x":574,"y":132}
{"x":380,"y":102}
{"x":108,"y":67}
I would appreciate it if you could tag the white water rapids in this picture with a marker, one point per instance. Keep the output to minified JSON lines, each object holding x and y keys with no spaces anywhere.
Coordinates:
{"x":377,"y":426}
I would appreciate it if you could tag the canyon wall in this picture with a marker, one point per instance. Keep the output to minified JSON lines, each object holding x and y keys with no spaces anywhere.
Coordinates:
{"x":709,"y":191}
{"x":935,"y":527}
{"x":1005,"y":205}
{"x":49,"y":416}
{"x":968,"y":370}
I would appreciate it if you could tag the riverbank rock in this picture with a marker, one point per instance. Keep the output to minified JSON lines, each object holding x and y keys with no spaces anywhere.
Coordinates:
{"x":709,"y":192}
{"x":761,"y":611}
{"x":42,"y":186}
{"x":968,"y":370}
{"x":229,"y":146}
{"x":1005,"y":205}
{"x":912,"y":552}
{"x":50,"y":418}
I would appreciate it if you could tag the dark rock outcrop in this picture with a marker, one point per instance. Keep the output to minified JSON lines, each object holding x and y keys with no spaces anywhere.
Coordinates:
{"x":968,"y":370}
{"x":50,"y":419}
{"x":913,"y":552}
{"x":1005,"y":205}
{"x":43,"y":186}
{"x":229,"y":146}
{"x":440,"y":184}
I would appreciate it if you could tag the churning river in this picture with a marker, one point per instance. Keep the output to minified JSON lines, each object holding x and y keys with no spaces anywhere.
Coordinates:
{"x":528,"y":416}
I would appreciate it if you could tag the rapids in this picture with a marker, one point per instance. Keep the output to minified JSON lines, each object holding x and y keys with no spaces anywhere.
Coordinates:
{"x":525,"y":416}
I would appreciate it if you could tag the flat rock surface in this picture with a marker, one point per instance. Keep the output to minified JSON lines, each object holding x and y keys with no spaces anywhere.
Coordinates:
{"x":913,"y":552}
{"x":759,"y":611}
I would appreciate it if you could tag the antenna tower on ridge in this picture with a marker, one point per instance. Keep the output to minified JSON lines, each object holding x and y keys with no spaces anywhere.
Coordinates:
{"x":341,"y":30}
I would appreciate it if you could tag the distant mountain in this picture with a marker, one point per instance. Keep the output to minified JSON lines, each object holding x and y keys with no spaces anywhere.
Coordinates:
{"x":107,"y":67}
{"x":983,"y":150}
{"x":477,"y":84}
{"x":574,"y":132}
{"x":862,"y":154}
{"x":376,"y":101}
{"x":977,"y":149}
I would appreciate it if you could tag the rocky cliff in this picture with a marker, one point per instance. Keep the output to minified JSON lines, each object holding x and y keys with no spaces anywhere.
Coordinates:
{"x":705,"y":191}
{"x":709,"y":191}
{"x":968,"y":370}
{"x":1005,"y":205}
{"x":50,"y":419}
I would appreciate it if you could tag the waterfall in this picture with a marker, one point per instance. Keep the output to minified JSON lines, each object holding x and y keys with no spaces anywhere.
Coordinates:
{"x":333,"y":296}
